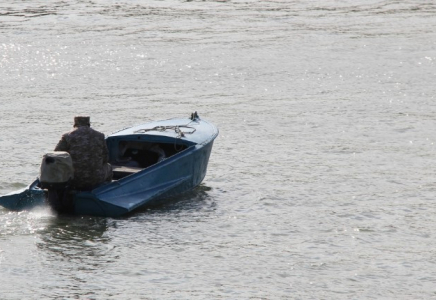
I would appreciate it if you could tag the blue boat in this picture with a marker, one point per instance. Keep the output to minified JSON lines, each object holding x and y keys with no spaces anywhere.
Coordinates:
{"x":151,"y":163}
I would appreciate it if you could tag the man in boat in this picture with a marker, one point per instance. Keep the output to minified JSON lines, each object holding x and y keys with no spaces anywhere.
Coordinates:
{"x":88,"y":150}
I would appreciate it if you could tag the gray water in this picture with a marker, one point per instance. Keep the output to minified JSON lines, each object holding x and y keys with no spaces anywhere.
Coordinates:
{"x":321,"y":184}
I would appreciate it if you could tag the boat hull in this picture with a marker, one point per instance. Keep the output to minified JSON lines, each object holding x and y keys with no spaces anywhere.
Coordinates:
{"x":24,"y":199}
{"x":149,"y":187}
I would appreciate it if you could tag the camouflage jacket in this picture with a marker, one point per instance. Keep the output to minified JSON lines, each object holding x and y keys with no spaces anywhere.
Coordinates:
{"x":89,"y":153}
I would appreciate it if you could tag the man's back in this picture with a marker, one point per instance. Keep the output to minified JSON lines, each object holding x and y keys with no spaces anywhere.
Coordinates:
{"x":89,"y":152}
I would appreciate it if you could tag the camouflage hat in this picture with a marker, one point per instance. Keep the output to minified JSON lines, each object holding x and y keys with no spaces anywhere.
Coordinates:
{"x":81,"y":121}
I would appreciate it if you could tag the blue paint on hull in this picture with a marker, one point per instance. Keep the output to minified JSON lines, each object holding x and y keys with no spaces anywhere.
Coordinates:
{"x":24,"y":199}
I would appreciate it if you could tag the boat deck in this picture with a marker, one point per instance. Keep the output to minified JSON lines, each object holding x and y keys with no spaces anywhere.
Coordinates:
{"x":121,"y":171}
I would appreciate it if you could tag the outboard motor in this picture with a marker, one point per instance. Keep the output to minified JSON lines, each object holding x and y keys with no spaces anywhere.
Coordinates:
{"x":55,"y":175}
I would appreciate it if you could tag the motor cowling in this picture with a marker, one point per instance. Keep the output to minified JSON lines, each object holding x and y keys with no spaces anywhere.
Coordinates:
{"x":56,"y":170}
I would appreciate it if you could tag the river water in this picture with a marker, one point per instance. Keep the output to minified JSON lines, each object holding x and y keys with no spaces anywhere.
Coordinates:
{"x":321,"y":184}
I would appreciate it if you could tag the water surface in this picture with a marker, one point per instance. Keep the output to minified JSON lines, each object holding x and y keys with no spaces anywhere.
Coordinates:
{"x":320,"y":184}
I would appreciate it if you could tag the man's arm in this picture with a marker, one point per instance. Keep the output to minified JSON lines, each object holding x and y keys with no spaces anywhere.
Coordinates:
{"x":105,"y":151}
{"x":62,"y":145}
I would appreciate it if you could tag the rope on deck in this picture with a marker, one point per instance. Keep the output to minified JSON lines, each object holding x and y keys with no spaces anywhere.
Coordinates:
{"x":177,"y":129}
